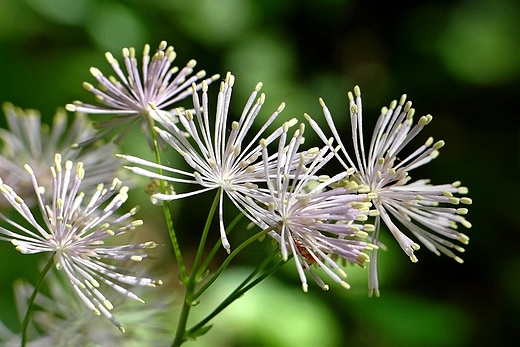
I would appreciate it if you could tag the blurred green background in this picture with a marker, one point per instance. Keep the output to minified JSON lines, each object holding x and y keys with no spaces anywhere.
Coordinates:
{"x":458,"y":60}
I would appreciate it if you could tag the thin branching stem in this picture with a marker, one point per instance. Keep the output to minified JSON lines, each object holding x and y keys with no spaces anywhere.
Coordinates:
{"x":30,"y":304}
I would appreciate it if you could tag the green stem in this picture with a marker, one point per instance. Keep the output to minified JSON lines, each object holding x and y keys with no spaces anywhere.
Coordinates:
{"x":30,"y":304}
{"x":180,"y":334}
{"x":228,"y":260}
{"x":166,"y":210}
{"x":202,"y":244}
{"x":218,"y":244}
{"x":246,"y":285}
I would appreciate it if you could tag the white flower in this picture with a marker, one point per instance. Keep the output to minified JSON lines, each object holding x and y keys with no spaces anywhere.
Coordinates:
{"x":61,"y":320}
{"x":74,"y":231}
{"x":129,"y":94}
{"x":28,"y":141}
{"x":228,"y":161}
{"x":427,"y":211}
{"x":311,"y":221}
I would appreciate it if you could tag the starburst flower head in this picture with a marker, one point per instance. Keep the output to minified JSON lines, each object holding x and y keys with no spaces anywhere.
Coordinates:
{"x":228,"y":161}
{"x":429,"y":212}
{"x":27,"y":141}
{"x":311,"y":221}
{"x":75,"y":230}
{"x":129,"y":94}
{"x":60,"y":319}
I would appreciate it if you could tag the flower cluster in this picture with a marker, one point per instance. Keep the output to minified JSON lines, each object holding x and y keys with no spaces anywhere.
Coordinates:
{"x":322,"y":221}
{"x":128,"y":96}
{"x":27,"y":141}
{"x":426,"y":210}
{"x":74,"y":231}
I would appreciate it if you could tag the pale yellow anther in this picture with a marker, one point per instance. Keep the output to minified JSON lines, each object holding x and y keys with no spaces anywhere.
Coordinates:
{"x":416,"y":246}
{"x":108,"y":305}
{"x":71,"y":108}
{"x":204,"y":87}
{"x":462,"y":211}
{"x":361,"y":217}
{"x":459,"y":260}
{"x":408,"y":104}
{"x":136,"y":258}
{"x":261,"y":99}
{"x":150,"y":244}
{"x":342,"y":273}
{"x":366,"y":190}
{"x":371,"y":247}
{"x":459,"y":249}
{"x":454,"y":200}
{"x":413,"y":258}
{"x":463,"y":190}
{"x":369,"y":227}
{"x":424,"y":120}
{"x":137,"y":223}
{"x":353,"y":109}
{"x":466,"y":224}
{"x":231,"y":80}
{"x":57,"y":162}
{"x":363,"y":258}
{"x":438,"y":145}
{"x":344,"y":284}
{"x":466,"y":201}
{"x":357,"y":204}
{"x":447,"y":193}
{"x":410,"y":113}
{"x":174,"y":70}
{"x":281,"y":107}
{"x":96,"y":312}
{"x":258,"y":86}
{"x":463,"y":238}
{"x":28,"y":169}
{"x":88,"y":87}
{"x":200,"y":74}
{"x":95,"y":72}
{"x":357,"y":91}
{"x":162,"y":45}
{"x":94,"y":283}
{"x":402,"y":100}
{"x":125,"y":51}
{"x":121,"y":329}
{"x":146,"y":49}
{"x":361,"y":234}
{"x":132,"y":52}
{"x":191,"y":64}
{"x":372,"y":195}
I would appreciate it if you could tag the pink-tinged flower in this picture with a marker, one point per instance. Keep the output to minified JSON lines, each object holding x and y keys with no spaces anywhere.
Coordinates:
{"x":62,"y":320}
{"x":27,"y":141}
{"x":74,"y":230}
{"x":310,"y":220}
{"x":221,"y":159}
{"x":129,"y":94}
{"x":427,"y":211}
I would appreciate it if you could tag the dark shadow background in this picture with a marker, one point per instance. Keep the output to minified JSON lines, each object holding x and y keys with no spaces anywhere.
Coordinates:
{"x":457,"y":60}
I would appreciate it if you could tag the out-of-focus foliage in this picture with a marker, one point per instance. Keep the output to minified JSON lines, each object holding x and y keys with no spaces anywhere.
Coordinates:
{"x":458,"y":60}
